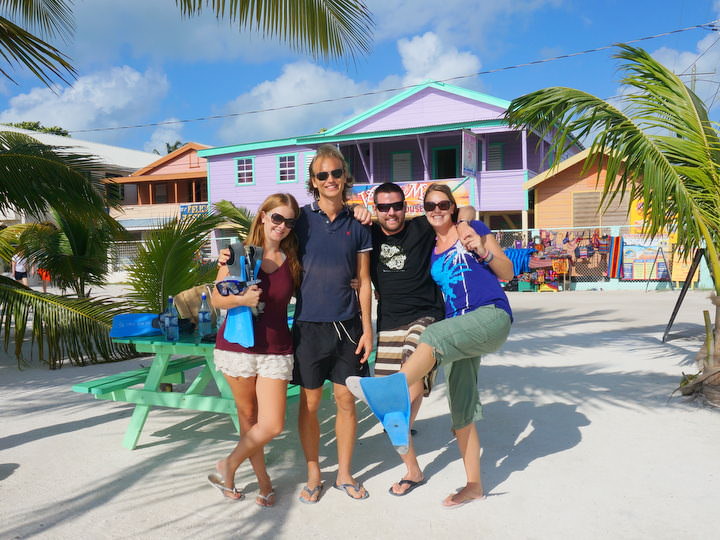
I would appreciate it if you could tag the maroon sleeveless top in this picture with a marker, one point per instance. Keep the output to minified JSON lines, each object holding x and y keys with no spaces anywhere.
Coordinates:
{"x":272,"y":335}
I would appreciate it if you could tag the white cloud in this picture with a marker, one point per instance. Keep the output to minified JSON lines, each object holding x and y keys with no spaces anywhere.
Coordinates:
{"x":300,"y":82}
{"x":164,"y":134}
{"x":706,"y":59}
{"x":426,"y":57}
{"x":109,"y":98}
{"x":423,"y":57}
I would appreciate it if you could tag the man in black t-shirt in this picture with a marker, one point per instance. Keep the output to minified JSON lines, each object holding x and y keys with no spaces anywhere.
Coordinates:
{"x":409,"y":300}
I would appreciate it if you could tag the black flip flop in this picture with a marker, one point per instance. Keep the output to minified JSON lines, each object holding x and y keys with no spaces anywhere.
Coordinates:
{"x":410,"y":483}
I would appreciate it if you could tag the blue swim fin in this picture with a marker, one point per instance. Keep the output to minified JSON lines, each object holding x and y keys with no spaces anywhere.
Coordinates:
{"x":239,"y":321}
{"x":389,"y":399}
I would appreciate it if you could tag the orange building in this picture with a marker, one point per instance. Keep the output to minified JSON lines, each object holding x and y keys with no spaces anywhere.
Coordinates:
{"x":565,"y":196}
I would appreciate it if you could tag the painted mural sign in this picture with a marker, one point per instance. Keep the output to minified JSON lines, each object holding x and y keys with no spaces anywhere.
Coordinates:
{"x":469,"y":153}
{"x":645,"y":259}
{"x":196,"y":209}
{"x":463,"y":191}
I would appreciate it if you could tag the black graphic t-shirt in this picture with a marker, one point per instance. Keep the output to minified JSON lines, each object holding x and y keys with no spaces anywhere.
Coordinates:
{"x":400,"y":271}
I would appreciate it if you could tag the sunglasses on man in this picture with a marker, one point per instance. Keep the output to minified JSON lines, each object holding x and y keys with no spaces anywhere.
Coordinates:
{"x":429,"y":206}
{"x":279,"y":219}
{"x":324,"y":175}
{"x":385,"y":207}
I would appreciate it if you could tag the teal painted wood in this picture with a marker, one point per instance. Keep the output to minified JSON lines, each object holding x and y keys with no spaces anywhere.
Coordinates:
{"x":176,"y":400}
{"x":173,"y":375}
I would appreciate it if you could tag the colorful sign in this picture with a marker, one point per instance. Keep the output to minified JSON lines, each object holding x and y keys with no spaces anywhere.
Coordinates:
{"x":463,"y":191}
{"x":195,"y":209}
{"x":645,"y":259}
{"x":469,"y":153}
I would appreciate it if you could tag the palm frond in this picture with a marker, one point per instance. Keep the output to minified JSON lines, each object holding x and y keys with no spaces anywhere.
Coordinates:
{"x":50,"y":17}
{"x":661,"y":148}
{"x":18,"y":46}
{"x":168,"y":262}
{"x":239,"y":216}
{"x":9,"y":237}
{"x":326,"y":29}
{"x":34,"y":177}
{"x":60,"y":327}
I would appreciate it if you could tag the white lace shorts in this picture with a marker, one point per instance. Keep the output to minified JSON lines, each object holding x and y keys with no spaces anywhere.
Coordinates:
{"x":270,"y":366}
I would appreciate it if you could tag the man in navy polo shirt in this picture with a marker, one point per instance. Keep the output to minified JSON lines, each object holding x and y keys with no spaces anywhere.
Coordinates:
{"x":332,"y":332}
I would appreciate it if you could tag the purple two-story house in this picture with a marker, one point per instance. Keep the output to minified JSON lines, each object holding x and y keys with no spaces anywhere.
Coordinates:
{"x":414,"y":136}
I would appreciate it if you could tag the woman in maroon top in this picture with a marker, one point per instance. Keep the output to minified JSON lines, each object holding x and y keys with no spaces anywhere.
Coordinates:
{"x":259,"y":376}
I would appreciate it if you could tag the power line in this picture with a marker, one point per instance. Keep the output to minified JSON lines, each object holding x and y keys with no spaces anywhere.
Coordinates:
{"x":711,"y":26}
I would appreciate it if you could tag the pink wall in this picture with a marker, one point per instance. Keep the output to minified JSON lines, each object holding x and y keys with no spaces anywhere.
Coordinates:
{"x":188,"y":162}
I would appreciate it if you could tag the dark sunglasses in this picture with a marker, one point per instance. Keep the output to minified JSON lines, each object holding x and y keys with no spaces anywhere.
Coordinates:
{"x":385,"y":207}
{"x":442,"y":205}
{"x":279,"y":219}
{"x":322,"y":176}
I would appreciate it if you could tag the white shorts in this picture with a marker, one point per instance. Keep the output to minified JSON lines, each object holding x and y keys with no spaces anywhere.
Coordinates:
{"x":270,"y":366}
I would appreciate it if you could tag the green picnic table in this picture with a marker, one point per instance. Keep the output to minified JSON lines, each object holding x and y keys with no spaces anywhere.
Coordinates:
{"x":144,"y":386}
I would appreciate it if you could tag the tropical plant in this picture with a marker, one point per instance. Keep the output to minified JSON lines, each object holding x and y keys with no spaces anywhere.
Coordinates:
{"x":62,"y":327}
{"x":73,"y":250}
{"x":324,"y":28}
{"x":52,"y":18}
{"x":35,"y":177}
{"x":169,"y":261}
{"x":37,"y":126}
{"x":240,"y":217}
{"x":660,"y":147}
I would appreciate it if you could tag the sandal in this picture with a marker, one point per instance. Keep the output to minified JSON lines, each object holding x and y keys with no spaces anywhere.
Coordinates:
{"x":216,"y":480}
{"x":411,"y":485}
{"x":266,"y":501}
{"x":356,"y":487}
{"x":311,"y":493}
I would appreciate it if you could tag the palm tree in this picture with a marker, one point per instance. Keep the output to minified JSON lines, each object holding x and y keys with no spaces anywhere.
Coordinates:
{"x":325,"y":29}
{"x":240,"y":217}
{"x":660,"y":147}
{"x":36,"y":177}
{"x":168,"y":262}
{"x":33,"y":179}
{"x":74,"y":250}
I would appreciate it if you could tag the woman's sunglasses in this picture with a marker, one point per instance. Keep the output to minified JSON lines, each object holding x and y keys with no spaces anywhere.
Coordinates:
{"x":385,"y":207}
{"x":279,"y":219}
{"x":324,"y":175}
{"x":442,"y":205}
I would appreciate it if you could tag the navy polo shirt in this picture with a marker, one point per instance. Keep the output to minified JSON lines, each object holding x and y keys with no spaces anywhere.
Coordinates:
{"x":328,"y":254}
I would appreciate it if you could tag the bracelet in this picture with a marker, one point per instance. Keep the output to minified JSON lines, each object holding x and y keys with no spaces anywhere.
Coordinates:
{"x":487,"y":259}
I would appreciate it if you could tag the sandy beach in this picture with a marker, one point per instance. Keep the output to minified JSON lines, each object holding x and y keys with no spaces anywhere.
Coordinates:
{"x":581,"y":439}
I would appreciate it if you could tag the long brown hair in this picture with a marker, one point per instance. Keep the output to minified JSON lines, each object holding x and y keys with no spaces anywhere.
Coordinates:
{"x":289,"y":244}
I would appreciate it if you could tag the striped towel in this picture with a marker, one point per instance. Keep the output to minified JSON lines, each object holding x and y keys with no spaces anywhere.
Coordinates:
{"x":520,"y":258}
{"x":615,"y":259}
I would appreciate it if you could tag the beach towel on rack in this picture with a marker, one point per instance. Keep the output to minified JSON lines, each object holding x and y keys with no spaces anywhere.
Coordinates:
{"x":520,"y":259}
{"x":614,"y":269}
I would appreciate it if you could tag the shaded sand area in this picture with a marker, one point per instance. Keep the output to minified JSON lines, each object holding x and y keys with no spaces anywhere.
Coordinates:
{"x":580,"y":440}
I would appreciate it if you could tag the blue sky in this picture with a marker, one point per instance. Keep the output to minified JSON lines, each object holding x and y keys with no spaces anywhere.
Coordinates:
{"x":138,"y":62}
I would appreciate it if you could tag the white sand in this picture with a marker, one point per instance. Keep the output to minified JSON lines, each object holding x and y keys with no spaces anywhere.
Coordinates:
{"x":580,"y":441}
